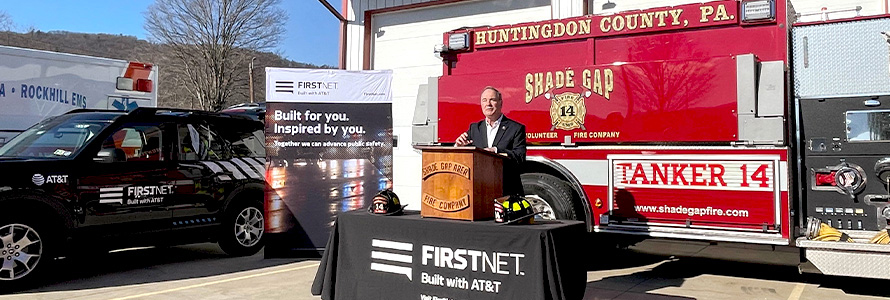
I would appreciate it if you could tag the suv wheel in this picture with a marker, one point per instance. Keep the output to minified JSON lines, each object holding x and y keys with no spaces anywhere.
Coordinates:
{"x":242,"y":229}
{"x":24,"y":252}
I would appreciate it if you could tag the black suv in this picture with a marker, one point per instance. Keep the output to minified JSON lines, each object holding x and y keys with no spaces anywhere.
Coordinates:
{"x":256,"y":111}
{"x":93,"y":179}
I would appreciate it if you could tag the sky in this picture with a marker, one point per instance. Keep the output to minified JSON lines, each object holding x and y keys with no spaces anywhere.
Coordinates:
{"x":311,"y":32}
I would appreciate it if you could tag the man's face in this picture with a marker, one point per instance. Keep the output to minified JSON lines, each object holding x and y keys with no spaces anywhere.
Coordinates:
{"x":491,"y":106}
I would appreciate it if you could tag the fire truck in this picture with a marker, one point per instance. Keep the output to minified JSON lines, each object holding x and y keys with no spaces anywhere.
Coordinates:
{"x":721,"y":129}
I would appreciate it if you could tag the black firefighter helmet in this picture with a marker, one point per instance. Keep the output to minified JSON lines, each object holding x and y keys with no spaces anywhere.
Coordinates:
{"x":513,"y":210}
{"x":386,"y":203}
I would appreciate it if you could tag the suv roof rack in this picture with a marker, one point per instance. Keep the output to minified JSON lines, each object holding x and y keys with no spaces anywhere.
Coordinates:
{"x":80,"y":110}
{"x":182,"y":112}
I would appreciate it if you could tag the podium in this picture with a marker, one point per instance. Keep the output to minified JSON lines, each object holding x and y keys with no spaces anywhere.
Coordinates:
{"x":460,"y":182}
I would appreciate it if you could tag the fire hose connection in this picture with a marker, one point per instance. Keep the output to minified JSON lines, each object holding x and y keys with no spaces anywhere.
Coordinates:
{"x":818,"y":231}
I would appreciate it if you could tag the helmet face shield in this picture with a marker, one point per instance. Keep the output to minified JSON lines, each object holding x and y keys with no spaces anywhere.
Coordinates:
{"x":386,"y":203}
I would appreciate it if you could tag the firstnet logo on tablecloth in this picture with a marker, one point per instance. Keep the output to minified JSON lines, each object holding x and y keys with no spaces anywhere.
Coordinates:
{"x":397,"y":258}
{"x":392,"y":252}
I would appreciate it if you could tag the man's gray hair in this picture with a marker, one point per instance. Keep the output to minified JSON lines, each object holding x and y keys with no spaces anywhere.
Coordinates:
{"x":497,"y":94}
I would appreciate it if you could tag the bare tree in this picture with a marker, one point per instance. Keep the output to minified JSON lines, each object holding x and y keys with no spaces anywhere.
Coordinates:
{"x":6,"y":23}
{"x":211,"y":42}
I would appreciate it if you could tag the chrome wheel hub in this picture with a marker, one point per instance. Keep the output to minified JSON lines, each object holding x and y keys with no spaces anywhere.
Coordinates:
{"x":541,"y":205}
{"x":20,"y":250}
{"x":249,"y":226}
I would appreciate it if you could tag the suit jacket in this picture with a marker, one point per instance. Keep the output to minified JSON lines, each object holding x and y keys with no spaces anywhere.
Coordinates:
{"x":510,"y":139}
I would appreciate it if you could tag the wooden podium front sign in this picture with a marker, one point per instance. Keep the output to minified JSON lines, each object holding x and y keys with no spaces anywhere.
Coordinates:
{"x":460,"y":182}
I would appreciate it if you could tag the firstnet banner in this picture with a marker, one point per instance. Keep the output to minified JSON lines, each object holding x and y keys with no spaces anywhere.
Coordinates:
{"x":329,"y":146}
{"x":328,"y":86}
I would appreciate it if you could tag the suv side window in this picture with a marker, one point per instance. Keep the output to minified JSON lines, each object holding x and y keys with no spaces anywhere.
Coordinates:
{"x":247,"y":144}
{"x":198,"y":142}
{"x":139,"y":142}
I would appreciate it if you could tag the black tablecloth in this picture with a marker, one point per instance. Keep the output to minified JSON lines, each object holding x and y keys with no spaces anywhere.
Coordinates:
{"x":409,"y":257}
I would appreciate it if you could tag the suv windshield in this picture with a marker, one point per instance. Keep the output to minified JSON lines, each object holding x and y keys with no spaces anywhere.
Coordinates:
{"x":58,"y":138}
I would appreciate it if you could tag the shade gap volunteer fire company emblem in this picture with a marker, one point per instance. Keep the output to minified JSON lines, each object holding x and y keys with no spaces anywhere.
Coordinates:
{"x":450,"y":167}
{"x":567,"y":110}
{"x":568,"y":91}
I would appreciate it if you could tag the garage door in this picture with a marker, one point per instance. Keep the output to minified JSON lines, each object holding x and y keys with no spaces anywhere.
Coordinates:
{"x":403,"y":41}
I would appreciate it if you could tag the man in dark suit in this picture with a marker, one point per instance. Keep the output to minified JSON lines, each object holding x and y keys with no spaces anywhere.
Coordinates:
{"x":499,"y":134}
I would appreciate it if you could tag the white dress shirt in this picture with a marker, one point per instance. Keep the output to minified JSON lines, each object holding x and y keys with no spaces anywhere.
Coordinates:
{"x":493,"y":130}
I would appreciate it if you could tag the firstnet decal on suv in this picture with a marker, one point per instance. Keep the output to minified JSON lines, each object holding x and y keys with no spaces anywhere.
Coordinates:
{"x":107,"y":179}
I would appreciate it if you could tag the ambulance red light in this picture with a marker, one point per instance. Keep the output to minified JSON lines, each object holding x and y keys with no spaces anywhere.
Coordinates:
{"x":144,"y":85}
{"x":136,"y":78}
{"x":825,"y":179}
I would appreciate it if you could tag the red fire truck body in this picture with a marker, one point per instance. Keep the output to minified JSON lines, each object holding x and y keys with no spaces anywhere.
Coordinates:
{"x":684,"y":124}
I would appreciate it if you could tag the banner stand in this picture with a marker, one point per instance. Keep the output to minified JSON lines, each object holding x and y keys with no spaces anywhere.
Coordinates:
{"x":329,"y":150}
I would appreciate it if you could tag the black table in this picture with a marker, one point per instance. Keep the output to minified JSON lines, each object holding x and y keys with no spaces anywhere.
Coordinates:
{"x":409,"y":257}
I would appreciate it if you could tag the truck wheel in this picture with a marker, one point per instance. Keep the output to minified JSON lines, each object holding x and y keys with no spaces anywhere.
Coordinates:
{"x":242,"y":229}
{"x":549,"y":195}
{"x":26,"y":252}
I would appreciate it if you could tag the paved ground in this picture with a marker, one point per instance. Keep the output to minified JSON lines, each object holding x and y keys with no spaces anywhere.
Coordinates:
{"x":202,"y":271}
{"x":635,"y":276}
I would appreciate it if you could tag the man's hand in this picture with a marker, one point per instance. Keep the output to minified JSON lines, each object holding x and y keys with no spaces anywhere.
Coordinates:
{"x":462,"y":140}
{"x":492,"y":149}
